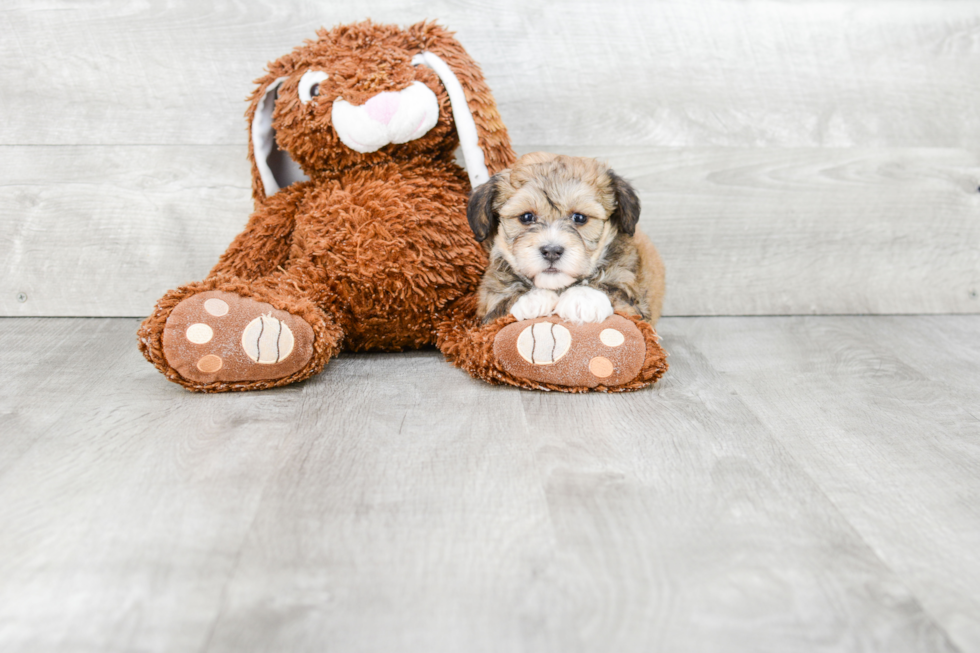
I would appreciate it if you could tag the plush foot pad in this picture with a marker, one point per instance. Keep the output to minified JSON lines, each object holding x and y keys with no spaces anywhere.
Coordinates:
{"x":220,"y":336}
{"x":549,"y":350}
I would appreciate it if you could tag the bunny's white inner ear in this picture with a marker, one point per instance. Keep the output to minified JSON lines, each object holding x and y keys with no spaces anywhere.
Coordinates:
{"x":276,"y":168}
{"x":476,"y":166}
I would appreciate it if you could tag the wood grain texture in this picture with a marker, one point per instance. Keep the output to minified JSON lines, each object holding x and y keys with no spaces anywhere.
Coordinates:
{"x":393,"y":503}
{"x":681,"y":524}
{"x":947,"y":351}
{"x":895,"y":446}
{"x":43,"y":363}
{"x":666,"y":73}
{"x":417,"y":521}
{"x":106,"y":231}
{"x":123,"y":519}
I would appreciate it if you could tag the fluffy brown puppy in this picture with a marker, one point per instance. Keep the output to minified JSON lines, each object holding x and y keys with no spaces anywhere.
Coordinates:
{"x":562,"y":237}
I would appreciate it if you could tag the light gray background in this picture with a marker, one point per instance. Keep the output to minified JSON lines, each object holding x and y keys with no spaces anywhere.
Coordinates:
{"x":806,"y":481}
{"x":803,"y":157}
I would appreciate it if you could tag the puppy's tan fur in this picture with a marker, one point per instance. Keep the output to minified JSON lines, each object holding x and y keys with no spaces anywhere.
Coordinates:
{"x":606,"y":253}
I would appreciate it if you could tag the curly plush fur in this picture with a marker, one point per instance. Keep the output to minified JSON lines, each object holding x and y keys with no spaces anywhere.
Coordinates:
{"x":373,"y":251}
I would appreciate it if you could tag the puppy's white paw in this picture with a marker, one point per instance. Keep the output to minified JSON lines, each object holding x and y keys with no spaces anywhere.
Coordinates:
{"x":581,"y":304}
{"x":535,"y":303}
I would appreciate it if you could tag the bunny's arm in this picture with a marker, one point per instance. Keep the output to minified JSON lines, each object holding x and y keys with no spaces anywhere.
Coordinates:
{"x":264,"y":244}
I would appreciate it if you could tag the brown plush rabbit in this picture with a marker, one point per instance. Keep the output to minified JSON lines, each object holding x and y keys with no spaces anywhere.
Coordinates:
{"x":359,"y":239}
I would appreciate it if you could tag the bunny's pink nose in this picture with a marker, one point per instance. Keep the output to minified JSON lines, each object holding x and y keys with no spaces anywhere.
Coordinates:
{"x":382,"y":107}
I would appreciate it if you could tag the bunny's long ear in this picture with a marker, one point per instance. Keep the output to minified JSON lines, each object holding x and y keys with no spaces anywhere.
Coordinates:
{"x":272,"y":167}
{"x":482,"y":135}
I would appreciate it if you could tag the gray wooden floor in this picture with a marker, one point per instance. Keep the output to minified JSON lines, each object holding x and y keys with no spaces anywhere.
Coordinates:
{"x":793,"y":484}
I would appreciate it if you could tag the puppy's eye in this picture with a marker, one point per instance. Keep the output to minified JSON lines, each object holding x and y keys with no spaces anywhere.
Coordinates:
{"x":309,"y":85}
{"x":578,"y":218}
{"x":527,"y":218}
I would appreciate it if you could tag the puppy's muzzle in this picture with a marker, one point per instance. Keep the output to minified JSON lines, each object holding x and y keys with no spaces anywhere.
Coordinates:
{"x":552,"y":253}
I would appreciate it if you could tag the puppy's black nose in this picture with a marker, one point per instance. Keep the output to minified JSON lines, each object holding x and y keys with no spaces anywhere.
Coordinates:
{"x":552,"y":252}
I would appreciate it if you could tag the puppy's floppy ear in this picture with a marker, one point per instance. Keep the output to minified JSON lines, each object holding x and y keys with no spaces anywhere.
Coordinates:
{"x":480,"y":213}
{"x":627,"y":212}
{"x":488,"y":150}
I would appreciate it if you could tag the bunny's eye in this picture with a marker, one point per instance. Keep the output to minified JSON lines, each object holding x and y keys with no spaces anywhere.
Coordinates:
{"x":309,"y":85}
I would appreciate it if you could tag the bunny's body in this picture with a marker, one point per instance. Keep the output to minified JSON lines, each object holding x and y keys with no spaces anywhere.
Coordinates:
{"x":385,"y":265}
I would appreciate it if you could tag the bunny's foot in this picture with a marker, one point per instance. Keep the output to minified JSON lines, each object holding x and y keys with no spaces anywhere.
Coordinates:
{"x":218,"y":336}
{"x":554,"y":352}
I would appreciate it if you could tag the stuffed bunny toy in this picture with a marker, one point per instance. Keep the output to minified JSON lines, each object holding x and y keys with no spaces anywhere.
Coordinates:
{"x":359,"y":239}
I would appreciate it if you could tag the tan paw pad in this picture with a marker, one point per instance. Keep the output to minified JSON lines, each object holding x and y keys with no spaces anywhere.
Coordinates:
{"x":267,"y":340}
{"x":216,"y":307}
{"x":601,"y":366}
{"x":611,"y":337}
{"x":209,"y":364}
{"x":543,"y":343}
{"x":199,"y":333}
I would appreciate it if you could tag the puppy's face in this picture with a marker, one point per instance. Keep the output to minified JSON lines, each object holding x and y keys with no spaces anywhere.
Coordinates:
{"x":551,"y":217}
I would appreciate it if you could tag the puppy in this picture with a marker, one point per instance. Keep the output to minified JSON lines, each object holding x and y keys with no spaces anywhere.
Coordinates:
{"x":562,"y":238}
